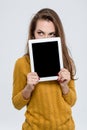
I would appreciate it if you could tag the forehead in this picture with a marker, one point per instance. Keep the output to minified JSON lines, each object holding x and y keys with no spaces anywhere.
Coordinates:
{"x":44,"y":25}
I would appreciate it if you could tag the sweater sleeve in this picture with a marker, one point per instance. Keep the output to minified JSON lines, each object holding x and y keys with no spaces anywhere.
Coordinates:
{"x":71,"y":97}
{"x":19,"y":82}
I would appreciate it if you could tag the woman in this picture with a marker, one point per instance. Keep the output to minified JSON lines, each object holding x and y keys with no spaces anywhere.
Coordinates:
{"x":48,"y":104}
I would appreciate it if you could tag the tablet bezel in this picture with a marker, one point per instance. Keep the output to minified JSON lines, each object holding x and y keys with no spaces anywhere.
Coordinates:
{"x":45,"y":40}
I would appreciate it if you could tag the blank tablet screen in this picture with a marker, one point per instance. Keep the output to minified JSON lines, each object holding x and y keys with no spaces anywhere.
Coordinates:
{"x":45,"y":58}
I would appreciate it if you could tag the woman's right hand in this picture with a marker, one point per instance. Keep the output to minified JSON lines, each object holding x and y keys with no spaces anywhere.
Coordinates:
{"x":32,"y":80}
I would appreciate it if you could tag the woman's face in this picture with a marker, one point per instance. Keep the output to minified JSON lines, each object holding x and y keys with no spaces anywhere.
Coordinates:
{"x":44,"y":29}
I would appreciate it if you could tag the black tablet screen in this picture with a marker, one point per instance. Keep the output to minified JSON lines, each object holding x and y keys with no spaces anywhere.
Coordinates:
{"x":46,"y":58}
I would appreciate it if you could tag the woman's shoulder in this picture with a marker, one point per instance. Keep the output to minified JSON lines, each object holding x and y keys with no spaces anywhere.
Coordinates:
{"x":22,"y":64}
{"x":23,"y":61}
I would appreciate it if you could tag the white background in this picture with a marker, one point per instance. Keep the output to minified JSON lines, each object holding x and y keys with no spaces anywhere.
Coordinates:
{"x":14,"y":21}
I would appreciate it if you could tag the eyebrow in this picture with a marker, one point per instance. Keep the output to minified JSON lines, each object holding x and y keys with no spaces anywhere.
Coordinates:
{"x":40,"y":31}
{"x":52,"y":33}
{"x":44,"y":32}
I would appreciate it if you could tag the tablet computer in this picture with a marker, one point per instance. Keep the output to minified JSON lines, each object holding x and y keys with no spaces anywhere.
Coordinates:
{"x":46,"y":57}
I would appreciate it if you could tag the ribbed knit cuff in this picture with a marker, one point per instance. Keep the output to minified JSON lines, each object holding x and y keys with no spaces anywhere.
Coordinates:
{"x":19,"y":101}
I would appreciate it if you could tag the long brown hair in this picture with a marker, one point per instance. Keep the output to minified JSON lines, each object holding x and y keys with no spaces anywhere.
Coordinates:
{"x":51,"y":15}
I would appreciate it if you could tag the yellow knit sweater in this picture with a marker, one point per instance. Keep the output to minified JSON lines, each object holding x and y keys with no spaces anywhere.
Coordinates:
{"x":47,"y":108}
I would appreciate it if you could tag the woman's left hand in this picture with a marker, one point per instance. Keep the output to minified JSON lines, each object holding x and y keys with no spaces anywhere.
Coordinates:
{"x":64,"y":77}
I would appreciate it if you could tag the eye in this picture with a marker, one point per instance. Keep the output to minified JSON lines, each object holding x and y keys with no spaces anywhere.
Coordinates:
{"x":40,"y":33}
{"x":52,"y":34}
